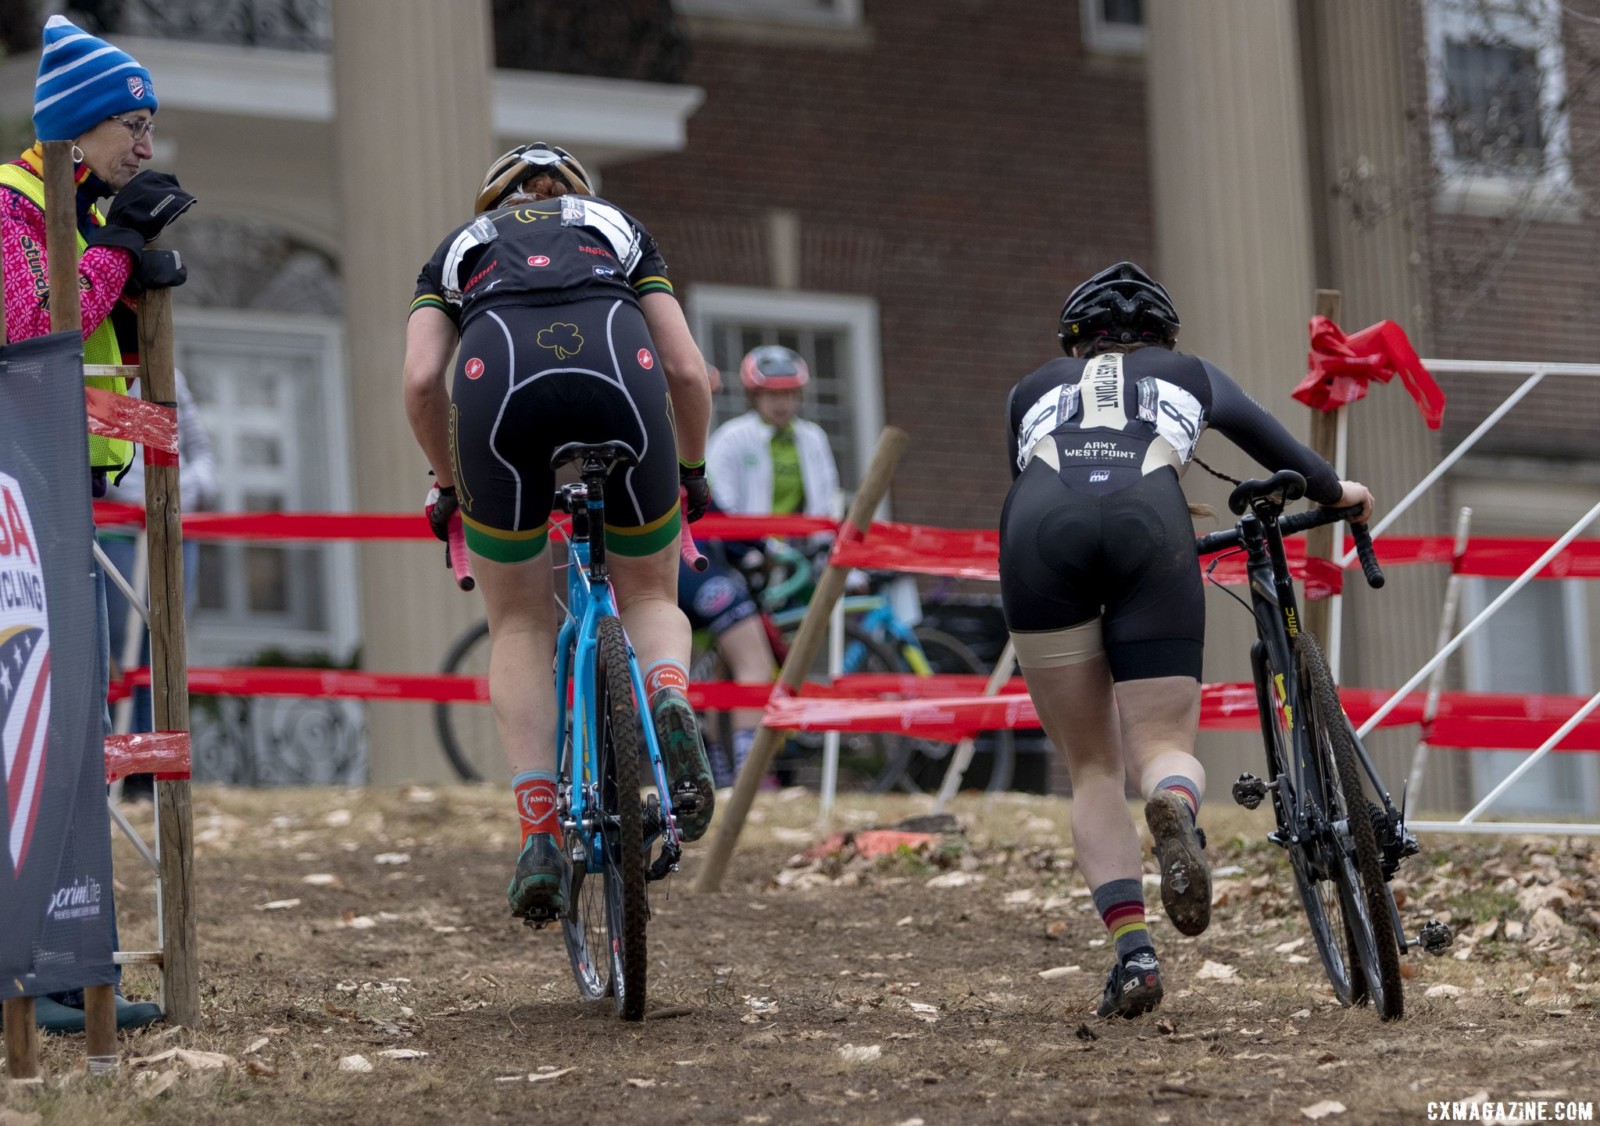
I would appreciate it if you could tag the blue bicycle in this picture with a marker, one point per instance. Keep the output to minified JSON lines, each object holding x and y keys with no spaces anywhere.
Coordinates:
{"x":611,"y":820}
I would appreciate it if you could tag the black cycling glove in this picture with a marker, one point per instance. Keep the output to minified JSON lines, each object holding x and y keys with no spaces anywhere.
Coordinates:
{"x":141,"y":211}
{"x":157,"y":269}
{"x":696,"y":490}
{"x":440,"y":507}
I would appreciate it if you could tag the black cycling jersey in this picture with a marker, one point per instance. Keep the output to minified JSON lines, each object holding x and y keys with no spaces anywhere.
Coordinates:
{"x":1146,"y":409}
{"x":544,"y":253}
{"x":1096,"y":524}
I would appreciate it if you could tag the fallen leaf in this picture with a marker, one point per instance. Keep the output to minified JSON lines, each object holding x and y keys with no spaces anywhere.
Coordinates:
{"x":261,"y":1068}
{"x":546,"y":1076}
{"x":1322,"y":1109}
{"x":865,"y":1053}
{"x":1059,"y":971}
{"x":955,"y":880}
{"x":1289,"y":947}
{"x":392,"y":858}
{"x":1056,"y":929}
{"x":321,"y":880}
{"x":1217,"y":971}
{"x":257,"y":1045}
{"x":403,"y":1054}
{"x":355,"y":1063}
{"x":1444,"y":991}
{"x":278,"y":905}
{"x":641,"y":1082}
{"x":336,"y":818}
{"x":154,"y":1084}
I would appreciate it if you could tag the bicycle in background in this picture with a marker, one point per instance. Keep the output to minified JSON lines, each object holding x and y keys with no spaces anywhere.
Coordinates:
{"x":1344,"y":836}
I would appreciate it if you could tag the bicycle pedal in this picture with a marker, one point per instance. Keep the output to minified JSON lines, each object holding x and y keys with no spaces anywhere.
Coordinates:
{"x":1435,"y":937}
{"x":1249,"y":791}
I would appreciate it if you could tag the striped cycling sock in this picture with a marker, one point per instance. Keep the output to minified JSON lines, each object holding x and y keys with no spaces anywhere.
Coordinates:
{"x":1186,"y":789}
{"x":665,"y":676}
{"x":1121,"y":905}
{"x":535,"y":791}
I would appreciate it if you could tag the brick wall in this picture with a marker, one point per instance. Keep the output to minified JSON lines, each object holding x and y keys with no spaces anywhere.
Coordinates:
{"x":962,"y":162}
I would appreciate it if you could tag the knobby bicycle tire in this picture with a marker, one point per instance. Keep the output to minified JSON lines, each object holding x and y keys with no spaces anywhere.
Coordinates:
{"x":868,"y":760}
{"x":1318,"y":895}
{"x":466,"y":730}
{"x":1380,"y":953}
{"x":948,"y":654}
{"x":585,"y":923}
{"x":623,"y":826}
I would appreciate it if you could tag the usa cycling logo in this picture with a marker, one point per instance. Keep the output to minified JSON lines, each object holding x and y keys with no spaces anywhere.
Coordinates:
{"x":24,"y":670}
{"x":646,"y":360}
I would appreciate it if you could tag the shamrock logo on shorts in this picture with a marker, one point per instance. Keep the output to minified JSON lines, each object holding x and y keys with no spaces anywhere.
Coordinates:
{"x":562,"y":339}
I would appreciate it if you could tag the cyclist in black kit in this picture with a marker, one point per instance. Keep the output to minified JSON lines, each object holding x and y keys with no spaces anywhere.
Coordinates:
{"x":568,"y":331}
{"x":1103,"y":594}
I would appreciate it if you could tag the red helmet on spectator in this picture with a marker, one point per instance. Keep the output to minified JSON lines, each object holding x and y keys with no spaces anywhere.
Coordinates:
{"x":772,"y":367}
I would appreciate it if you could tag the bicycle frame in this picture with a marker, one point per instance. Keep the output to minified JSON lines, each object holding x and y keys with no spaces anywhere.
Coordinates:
{"x":1276,"y":612}
{"x":589,"y":599}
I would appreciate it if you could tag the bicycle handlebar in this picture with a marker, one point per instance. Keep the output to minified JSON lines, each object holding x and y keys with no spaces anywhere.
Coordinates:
{"x":1303,"y":521}
{"x":687,"y":551}
{"x":455,"y":553}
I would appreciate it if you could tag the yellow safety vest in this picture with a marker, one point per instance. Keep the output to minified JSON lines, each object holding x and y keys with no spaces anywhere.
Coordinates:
{"x":101,"y":347}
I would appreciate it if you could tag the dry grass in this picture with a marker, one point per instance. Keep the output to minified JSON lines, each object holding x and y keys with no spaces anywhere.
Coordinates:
{"x":768,"y":982}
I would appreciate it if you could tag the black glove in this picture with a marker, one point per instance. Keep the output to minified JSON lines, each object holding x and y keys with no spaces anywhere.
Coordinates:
{"x":145,"y":206}
{"x":696,"y":490}
{"x":157,"y":269}
{"x":440,"y":507}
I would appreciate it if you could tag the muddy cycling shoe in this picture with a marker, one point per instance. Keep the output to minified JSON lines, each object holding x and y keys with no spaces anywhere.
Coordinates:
{"x":694,"y":793}
{"x":1185,"y":875}
{"x":1133,"y":987}
{"x":535,"y":891}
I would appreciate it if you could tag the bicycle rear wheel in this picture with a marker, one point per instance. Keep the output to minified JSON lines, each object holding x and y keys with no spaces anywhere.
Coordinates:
{"x":622,"y":831}
{"x":948,"y":654}
{"x":1360,"y":871}
{"x":466,"y":731}
{"x":1277,"y":700}
{"x":866,"y":758}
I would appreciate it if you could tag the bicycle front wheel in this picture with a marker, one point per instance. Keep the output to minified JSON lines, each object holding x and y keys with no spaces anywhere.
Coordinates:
{"x":1281,"y":713}
{"x":466,"y":731}
{"x":622,"y":827}
{"x":585,"y":921}
{"x":1353,"y":839}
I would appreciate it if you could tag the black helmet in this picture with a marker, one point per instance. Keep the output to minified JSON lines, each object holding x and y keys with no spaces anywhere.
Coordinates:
{"x":1122,"y":302}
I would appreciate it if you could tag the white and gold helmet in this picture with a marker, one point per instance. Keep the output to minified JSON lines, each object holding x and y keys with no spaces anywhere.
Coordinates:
{"x":511,"y":168}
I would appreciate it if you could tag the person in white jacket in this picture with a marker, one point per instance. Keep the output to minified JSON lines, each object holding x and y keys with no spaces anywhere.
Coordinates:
{"x":770,"y":461}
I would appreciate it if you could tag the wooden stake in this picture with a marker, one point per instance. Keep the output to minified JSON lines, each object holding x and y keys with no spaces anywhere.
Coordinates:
{"x":1324,"y":440}
{"x":22,"y":1039}
{"x":61,"y":237}
{"x":100,"y":1028}
{"x":813,"y":631}
{"x":169,"y":688}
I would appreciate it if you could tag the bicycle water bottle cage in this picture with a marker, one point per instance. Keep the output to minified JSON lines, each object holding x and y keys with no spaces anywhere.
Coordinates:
{"x":1282,"y":488}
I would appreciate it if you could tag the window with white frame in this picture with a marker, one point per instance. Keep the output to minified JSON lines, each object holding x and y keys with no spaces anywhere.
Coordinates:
{"x":837,"y":335}
{"x":1113,"y":27}
{"x":1497,"y":90}
{"x":804,"y":13}
{"x":270,"y":392}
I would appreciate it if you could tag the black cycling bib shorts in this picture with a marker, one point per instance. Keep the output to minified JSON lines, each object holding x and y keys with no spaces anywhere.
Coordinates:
{"x":529,"y":379}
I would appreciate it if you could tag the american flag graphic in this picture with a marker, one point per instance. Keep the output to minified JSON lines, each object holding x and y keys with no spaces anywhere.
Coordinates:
{"x":24,"y":727}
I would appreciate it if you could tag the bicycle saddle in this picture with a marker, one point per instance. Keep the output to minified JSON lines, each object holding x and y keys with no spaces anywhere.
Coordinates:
{"x":611,"y":454}
{"x":1283,"y":487}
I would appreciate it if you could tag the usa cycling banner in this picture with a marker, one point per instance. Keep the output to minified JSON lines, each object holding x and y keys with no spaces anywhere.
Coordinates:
{"x":55,"y":831}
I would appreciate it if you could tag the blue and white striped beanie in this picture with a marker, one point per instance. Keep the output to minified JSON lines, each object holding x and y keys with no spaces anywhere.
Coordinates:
{"x":83,"y":81}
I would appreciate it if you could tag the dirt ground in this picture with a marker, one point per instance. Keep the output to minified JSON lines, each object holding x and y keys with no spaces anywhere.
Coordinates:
{"x":936,"y":987}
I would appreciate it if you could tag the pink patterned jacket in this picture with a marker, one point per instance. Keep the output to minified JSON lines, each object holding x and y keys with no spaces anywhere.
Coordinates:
{"x":102,"y":271}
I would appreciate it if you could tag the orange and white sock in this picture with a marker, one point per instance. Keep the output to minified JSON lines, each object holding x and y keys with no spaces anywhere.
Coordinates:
{"x":535,"y":791}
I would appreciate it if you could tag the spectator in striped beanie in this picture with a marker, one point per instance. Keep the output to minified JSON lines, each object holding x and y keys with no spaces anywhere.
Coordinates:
{"x":82,"y":82}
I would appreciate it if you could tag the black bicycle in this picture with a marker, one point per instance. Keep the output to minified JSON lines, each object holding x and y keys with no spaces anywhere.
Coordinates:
{"x":1344,"y":836}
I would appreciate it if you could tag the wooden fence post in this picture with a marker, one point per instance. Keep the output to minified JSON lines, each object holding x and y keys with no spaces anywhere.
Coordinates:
{"x":1325,"y":441}
{"x":169,"y":678}
{"x":66,"y":315}
{"x":807,"y":642}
